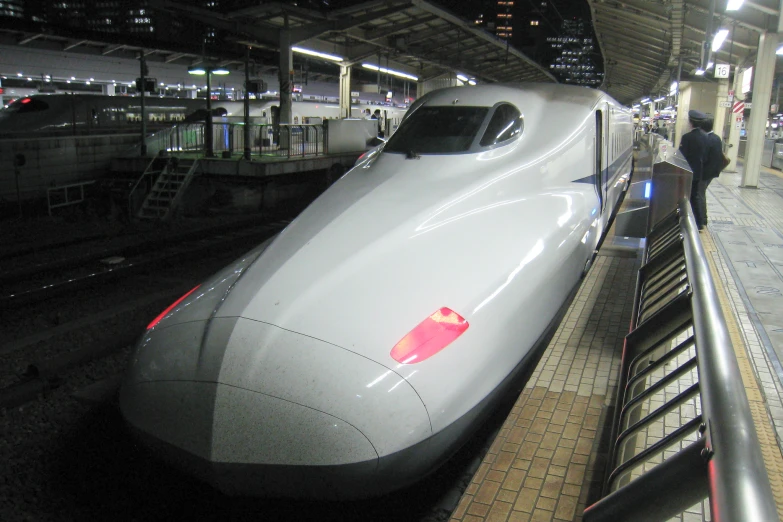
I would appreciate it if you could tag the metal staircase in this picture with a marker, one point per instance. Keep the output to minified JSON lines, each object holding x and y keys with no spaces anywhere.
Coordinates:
{"x":167,"y":190}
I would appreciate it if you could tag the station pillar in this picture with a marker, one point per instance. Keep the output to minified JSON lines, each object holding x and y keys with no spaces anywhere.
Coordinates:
{"x":720,"y":112}
{"x":763,"y":73}
{"x":286,"y":73}
{"x":735,"y":124}
{"x":345,"y":91}
{"x":108,"y":90}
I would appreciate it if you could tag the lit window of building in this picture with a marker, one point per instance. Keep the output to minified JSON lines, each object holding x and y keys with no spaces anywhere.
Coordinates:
{"x":533,"y":22}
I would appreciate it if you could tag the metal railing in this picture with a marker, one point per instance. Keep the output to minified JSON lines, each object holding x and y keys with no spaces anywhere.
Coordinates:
{"x":66,"y":195}
{"x":151,"y":170}
{"x":682,"y":427}
{"x":285,"y":141}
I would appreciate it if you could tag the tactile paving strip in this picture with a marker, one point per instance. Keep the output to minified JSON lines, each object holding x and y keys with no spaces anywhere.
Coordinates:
{"x":773,"y":459}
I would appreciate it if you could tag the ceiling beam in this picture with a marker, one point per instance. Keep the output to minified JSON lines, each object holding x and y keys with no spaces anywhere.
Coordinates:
{"x":29,"y":39}
{"x":110,"y":49}
{"x":174,"y":57}
{"x":71,"y":45}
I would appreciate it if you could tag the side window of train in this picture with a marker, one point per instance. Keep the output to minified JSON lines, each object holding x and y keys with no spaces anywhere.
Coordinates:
{"x":506,"y":123}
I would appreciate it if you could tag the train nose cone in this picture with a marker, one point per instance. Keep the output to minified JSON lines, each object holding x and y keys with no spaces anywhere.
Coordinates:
{"x":259,"y":410}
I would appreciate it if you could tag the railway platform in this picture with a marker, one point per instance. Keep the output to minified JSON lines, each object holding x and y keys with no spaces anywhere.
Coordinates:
{"x":549,"y":459}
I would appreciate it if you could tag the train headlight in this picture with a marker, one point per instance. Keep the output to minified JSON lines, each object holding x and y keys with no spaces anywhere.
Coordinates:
{"x":170,"y":308}
{"x":429,"y":337}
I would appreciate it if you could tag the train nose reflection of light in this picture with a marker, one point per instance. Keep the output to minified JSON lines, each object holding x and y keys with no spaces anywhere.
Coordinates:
{"x":379,"y":379}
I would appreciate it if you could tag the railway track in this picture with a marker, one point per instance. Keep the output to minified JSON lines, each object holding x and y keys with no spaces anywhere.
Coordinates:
{"x":34,"y":284}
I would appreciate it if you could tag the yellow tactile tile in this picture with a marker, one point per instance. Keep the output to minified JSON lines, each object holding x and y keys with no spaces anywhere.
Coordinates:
{"x":773,"y":459}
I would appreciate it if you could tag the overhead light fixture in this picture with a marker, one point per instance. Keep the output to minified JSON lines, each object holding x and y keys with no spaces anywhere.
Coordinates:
{"x":673,"y":89}
{"x":389,"y":71}
{"x":733,"y":5}
{"x":699,"y":72}
{"x":318,"y":54}
{"x":198,"y":71}
{"x":709,"y":66}
{"x":220,"y":71}
{"x":635,"y":106}
{"x":659,"y":99}
{"x":644,"y":100}
{"x":780,"y":50}
{"x":471,"y":82}
{"x":462,"y":77}
{"x":717,"y":41}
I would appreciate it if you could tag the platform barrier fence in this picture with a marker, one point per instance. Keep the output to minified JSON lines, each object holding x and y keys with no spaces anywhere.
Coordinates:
{"x":285,"y":140}
{"x":682,"y":427}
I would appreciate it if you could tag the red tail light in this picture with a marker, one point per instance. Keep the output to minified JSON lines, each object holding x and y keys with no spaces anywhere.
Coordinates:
{"x":170,"y":308}
{"x":429,"y":337}
{"x":25,"y":100}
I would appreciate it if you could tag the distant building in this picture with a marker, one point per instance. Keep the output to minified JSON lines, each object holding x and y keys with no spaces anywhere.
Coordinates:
{"x":574,"y":54}
{"x":504,"y":26}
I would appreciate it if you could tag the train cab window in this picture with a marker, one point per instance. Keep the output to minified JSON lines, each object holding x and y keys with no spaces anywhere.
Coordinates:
{"x":23,"y":105}
{"x":438,"y":130}
{"x":505,"y":124}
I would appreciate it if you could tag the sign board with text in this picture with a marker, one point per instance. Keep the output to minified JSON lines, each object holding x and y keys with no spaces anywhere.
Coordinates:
{"x":724,"y":104}
{"x":721,"y":70}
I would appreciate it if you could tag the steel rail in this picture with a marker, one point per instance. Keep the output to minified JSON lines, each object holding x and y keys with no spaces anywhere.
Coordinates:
{"x":725,"y":463}
{"x":738,"y":481}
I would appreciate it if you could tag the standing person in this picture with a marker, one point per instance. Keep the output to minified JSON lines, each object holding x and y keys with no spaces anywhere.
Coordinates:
{"x":377,"y":116}
{"x":713,"y":161}
{"x":694,"y":147}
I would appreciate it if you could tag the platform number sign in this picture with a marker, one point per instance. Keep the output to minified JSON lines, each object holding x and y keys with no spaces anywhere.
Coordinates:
{"x":721,"y":70}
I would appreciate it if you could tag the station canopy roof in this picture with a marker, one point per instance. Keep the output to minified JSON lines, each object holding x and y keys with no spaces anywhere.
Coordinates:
{"x":411,"y":36}
{"x":642,"y":41}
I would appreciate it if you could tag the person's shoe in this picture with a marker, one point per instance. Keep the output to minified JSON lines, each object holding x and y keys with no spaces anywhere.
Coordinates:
{"x":701,"y":227}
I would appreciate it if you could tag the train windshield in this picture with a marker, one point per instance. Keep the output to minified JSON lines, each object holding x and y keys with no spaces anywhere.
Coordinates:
{"x":438,"y":130}
{"x":26,"y":105}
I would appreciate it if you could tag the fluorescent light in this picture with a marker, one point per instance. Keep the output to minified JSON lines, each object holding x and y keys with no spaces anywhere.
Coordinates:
{"x":780,"y":50}
{"x":644,"y":100}
{"x":673,"y":89}
{"x":389,"y":71}
{"x":709,"y":65}
{"x":220,"y":71}
{"x":659,"y":99}
{"x":699,"y":72}
{"x":462,"y":77}
{"x":471,"y":82}
{"x":733,"y":5}
{"x":198,"y":71}
{"x":635,"y":106}
{"x":316,"y":53}
{"x":720,"y":36}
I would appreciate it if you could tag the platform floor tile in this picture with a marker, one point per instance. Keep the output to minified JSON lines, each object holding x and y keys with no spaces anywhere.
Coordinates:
{"x":546,"y":460}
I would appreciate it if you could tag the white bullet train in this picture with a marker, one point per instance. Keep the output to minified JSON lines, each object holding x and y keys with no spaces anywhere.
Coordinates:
{"x":359,"y":349}
{"x":98,"y":114}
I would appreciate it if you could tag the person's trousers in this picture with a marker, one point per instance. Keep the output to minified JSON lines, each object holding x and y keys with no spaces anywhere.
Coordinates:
{"x":699,"y":201}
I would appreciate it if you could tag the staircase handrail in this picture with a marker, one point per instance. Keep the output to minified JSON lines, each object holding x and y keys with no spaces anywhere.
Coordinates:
{"x":147,"y":171}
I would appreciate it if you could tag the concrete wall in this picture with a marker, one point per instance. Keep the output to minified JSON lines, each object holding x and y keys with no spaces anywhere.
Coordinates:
{"x":57,"y":161}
